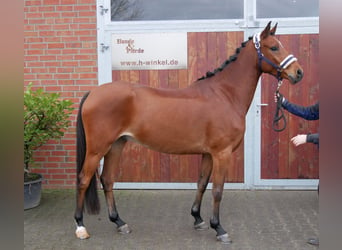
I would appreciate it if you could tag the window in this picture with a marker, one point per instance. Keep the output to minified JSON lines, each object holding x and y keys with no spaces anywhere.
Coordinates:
{"x":287,"y":8}
{"x":153,"y":10}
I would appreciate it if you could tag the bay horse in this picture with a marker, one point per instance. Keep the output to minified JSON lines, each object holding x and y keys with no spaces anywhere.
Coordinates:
{"x":206,"y":118}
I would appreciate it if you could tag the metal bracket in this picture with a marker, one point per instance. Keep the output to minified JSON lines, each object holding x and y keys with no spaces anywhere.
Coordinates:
{"x":104,"y":47}
{"x":103,"y":10}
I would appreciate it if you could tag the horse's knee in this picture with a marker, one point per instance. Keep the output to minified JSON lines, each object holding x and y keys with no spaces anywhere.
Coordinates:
{"x":217,"y":194}
{"x":106,"y":183}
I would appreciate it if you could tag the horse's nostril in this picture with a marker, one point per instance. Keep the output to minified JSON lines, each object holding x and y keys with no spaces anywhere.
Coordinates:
{"x":299,"y":73}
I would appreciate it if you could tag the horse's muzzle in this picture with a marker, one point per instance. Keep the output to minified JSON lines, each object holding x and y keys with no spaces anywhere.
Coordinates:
{"x":296,"y":78}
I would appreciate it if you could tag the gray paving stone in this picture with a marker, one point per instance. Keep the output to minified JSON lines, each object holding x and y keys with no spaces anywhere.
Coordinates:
{"x":160,"y":219}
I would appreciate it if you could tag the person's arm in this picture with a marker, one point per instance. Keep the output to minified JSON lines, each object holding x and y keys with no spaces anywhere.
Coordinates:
{"x":308,"y":113}
{"x":302,"y":138}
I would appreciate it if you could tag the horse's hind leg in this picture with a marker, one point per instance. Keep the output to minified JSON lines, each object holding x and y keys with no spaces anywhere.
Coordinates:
{"x":111,"y":161}
{"x":206,"y":168}
{"x":85,"y":179}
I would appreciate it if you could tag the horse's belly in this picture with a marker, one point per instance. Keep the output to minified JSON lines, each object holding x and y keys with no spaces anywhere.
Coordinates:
{"x":171,"y":144}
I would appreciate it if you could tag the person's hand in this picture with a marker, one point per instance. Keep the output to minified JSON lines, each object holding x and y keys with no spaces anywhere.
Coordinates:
{"x":278,"y":96}
{"x":299,"y":139}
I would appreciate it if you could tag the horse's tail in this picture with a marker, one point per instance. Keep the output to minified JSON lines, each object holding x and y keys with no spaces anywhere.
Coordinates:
{"x":91,"y":197}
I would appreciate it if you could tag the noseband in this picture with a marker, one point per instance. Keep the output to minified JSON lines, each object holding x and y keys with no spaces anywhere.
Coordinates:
{"x":283,"y":65}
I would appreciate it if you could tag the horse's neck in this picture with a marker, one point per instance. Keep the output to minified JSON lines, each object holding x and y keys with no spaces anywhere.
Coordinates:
{"x":239,"y":79}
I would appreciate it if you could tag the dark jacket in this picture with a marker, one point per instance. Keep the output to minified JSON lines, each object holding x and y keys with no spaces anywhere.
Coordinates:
{"x":308,"y":113}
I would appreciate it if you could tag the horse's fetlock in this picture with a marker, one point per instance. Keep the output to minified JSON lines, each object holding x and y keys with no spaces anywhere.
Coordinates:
{"x":195,"y":211}
{"x":214,"y":223}
{"x":114,"y":217}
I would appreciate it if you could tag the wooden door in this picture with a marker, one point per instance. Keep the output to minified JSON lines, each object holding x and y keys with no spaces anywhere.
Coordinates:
{"x":206,"y":51}
{"x":280,"y":159}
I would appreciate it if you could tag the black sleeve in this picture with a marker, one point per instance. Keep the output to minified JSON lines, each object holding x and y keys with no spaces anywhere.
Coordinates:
{"x":313,"y":138}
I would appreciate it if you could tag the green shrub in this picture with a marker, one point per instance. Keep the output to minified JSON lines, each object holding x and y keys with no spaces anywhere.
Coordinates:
{"x":46,"y":117}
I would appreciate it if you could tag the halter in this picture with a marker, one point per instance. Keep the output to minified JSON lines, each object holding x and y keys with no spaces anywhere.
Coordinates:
{"x":283,"y":65}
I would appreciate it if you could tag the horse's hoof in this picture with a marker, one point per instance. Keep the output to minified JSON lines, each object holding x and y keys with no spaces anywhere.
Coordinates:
{"x":224,"y":238}
{"x":82,"y":233}
{"x":124,"y":229}
{"x":201,"y":226}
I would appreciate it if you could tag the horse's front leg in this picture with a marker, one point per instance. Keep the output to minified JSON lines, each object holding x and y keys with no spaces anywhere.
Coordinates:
{"x":220,"y":164}
{"x":206,"y":168}
{"x":111,"y":160}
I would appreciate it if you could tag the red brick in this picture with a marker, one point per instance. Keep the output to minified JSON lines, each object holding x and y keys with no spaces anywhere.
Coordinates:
{"x":69,"y":14}
{"x":65,"y":33}
{"x":55,"y":158}
{"x":38,"y":46}
{"x":55,"y":182}
{"x":88,"y":26}
{"x":35,"y":52}
{"x":56,"y":171}
{"x":30,"y":33}
{"x":70,"y":171}
{"x":34,"y":15}
{"x":52,"y":64}
{"x":62,"y":76}
{"x":51,"y":2}
{"x":63,"y":20}
{"x":56,"y":45}
{"x":65,"y":70}
{"x":83,"y":8}
{"x":60,"y":176}
{"x":36,"y":21}
{"x":88,"y":63}
{"x":33,"y":40}
{"x":70,"y":39}
{"x":52,"y":14}
{"x":35,"y":64}
{"x":47,"y":33}
{"x":53,"y":52}
{"x":48,"y":58}
{"x":46,"y":8}
{"x":61,"y":27}
{"x":65,"y":58}
{"x":70,"y":64}
{"x":39,"y":70}
{"x":87,"y":13}
{"x":52,"y":39}
{"x":33,"y":2}
{"x":69,"y":2}
{"x":88,"y":75}
{"x":64,"y":8}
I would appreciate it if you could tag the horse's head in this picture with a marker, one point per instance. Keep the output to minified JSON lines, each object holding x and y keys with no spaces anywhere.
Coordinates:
{"x":273,"y":57}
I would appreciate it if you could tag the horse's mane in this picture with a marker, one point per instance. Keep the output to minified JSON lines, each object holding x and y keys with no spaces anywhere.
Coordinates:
{"x":228,"y":61}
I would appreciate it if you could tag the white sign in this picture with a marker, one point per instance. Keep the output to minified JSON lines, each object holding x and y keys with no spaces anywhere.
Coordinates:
{"x":149,"y":51}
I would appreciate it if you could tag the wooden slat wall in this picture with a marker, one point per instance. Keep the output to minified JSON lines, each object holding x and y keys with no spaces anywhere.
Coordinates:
{"x":280,"y":158}
{"x":206,"y":51}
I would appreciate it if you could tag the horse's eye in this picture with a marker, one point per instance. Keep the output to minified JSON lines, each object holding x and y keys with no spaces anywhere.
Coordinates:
{"x":274,"y":48}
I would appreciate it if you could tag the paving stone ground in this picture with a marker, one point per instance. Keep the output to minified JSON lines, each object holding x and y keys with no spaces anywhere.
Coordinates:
{"x":160,"y":219}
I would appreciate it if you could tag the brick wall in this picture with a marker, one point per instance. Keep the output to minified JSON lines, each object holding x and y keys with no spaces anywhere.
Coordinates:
{"x":60,"y":53}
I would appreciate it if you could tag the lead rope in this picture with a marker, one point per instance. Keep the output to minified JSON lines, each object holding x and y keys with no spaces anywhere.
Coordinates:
{"x":279,"y":109}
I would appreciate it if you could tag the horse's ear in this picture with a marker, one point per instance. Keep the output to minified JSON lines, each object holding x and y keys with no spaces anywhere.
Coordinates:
{"x":266,"y":31}
{"x":273,"y":30}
